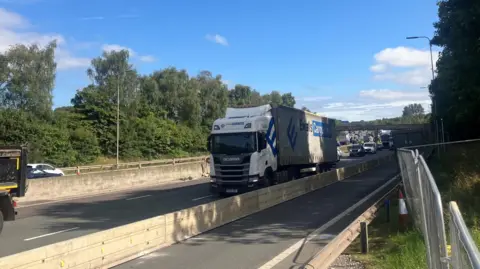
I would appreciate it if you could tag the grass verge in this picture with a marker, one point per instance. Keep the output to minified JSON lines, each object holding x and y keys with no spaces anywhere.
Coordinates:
{"x":389,"y":246}
{"x":457,"y":174}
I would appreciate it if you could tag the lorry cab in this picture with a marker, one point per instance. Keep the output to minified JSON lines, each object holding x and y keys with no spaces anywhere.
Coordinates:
{"x":241,"y":147}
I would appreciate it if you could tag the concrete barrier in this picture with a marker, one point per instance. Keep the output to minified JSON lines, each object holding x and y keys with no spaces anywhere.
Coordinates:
{"x":92,"y":183}
{"x":114,"y":246}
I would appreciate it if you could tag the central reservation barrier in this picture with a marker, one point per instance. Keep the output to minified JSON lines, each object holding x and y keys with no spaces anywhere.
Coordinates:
{"x":111,"y":247}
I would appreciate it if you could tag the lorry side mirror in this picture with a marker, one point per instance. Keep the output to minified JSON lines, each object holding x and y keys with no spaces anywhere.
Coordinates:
{"x":209,"y":143}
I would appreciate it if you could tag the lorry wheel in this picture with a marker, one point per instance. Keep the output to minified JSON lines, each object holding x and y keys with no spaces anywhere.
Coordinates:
{"x":269,"y":178}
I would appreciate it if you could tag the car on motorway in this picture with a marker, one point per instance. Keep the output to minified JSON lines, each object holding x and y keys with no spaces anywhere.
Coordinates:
{"x":41,"y":170}
{"x":357,"y":150}
{"x":370,"y":147}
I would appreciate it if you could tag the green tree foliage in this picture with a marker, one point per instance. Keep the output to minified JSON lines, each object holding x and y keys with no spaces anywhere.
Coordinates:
{"x":456,"y":88}
{"x":413,"y":110}
{"x":165,"y":113}
{"x":27,"y":76}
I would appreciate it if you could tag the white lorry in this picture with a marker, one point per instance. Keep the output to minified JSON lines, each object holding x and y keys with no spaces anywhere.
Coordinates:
{"x":251,"y":147}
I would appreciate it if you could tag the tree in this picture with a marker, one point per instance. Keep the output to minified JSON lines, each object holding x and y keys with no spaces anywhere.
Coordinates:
{"x":413,"y":110}
{"x":288,"y":100}
{"x":304,"y":108}
{"x":456,"y":88}
{"x":27,"y":77}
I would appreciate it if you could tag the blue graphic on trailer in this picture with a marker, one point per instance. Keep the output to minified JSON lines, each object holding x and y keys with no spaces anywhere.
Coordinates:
{"x":320,"y":129}
{"x":271,"y":137}
{"x":292,"y":134}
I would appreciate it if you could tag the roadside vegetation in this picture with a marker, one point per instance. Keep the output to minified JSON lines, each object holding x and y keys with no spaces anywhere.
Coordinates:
{"x":167,"y":113}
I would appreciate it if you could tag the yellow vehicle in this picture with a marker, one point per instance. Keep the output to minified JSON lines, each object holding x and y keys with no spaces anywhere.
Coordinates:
{"x":13,"y":174}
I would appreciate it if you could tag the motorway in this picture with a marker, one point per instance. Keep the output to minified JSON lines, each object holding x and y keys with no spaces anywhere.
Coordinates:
{"x":47,"y":223}
{"x":275,"y":237}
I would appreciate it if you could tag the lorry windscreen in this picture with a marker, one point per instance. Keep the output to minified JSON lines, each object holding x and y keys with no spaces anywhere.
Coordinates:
{"x":236,"y":143}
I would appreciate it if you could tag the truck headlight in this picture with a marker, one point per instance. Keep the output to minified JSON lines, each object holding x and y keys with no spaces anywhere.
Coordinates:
{"x":253,"y":179}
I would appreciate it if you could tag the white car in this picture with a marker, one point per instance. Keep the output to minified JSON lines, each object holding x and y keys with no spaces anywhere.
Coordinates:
{"x":370,"y":147}
{"x":38,"y":170}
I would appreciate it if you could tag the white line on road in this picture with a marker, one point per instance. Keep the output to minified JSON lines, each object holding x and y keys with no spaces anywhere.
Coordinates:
{"x":200,"y":198}
{"x":138,"y":197}
{"x":280,"y":257}
{"x":45,"y":235}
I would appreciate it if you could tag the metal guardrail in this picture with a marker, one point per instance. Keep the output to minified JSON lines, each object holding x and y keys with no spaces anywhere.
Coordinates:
{"x":111,"y":167}
{"x":464,"y":251}
{"x":425,"y":204}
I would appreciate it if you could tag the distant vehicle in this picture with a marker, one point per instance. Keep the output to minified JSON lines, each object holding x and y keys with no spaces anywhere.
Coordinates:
{"x":357,"y":151}
{"x":370,"y":147}
{"x":41,"y":170}
{"x":251,"y":147}
{"x":385,"y":140}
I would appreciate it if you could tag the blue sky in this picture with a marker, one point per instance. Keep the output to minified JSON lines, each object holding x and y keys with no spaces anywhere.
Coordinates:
{"x":348,"y":60}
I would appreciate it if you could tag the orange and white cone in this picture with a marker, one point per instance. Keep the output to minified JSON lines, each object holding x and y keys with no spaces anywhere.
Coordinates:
{"x":402,"y":210}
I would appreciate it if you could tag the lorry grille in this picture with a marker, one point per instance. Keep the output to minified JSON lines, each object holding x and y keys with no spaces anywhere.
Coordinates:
{"x":232,"y":171}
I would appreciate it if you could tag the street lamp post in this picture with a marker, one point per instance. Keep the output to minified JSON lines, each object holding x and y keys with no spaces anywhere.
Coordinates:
{"x":118,"y":116}
{"x":433,"y":77}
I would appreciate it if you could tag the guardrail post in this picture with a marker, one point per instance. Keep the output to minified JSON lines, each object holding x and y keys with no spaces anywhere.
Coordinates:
{"x":387,"y":210}
{"x":364,"y":237}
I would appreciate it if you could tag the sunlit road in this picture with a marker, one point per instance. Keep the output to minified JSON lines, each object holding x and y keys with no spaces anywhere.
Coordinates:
{"x":39,"y":225}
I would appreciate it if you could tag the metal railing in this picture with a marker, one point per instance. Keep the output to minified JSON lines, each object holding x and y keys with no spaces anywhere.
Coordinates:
{"x":426,"y":208}
{"x":111,"y":167}
{"x":464,"y":251}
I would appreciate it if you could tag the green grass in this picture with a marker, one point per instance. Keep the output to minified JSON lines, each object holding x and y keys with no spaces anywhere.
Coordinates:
{"x":457,"y":174}
{"x":390,"y":246}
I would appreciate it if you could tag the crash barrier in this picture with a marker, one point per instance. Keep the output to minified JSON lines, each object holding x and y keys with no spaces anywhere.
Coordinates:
{"x":425,"y":207}
{"x":114,"y":246}
{"x":78,"y":170}
{"x":328,"y":254}
{"x":93,"y":183}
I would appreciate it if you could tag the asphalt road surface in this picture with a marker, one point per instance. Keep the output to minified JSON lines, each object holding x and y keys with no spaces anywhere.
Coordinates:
{"x":275,"y":237}
{"x":47,"y":223}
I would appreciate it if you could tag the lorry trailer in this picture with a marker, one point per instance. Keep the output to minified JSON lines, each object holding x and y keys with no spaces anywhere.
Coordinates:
{"x":260,"y":146}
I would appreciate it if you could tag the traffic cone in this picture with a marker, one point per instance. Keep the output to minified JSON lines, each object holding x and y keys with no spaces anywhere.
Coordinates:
{"x":402,"y":211}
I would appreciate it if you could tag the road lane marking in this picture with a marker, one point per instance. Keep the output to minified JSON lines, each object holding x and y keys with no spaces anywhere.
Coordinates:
{"x":138,"y":197}
{"x":45,"y":235}
{"x":200,"y":198}
{"x":295,"y":247}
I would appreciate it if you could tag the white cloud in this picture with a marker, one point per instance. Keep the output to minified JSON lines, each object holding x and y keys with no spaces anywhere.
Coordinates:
{"x":66,"y":61}
{"x":217,"y":39}
{"x":384,"y":94}
{"x":14,"y":30}
{"x":370,"y":104}
{"x":368,"y":111}
{"x":147,"y":58}
{"x":133,"y":54}
{"x":314,"y":98}
{"x":405,"y":57}
{"x":94,"y":18}
{"x":115,"y":47}
{"x":414,"y":64}
{"x":378,"y":68}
